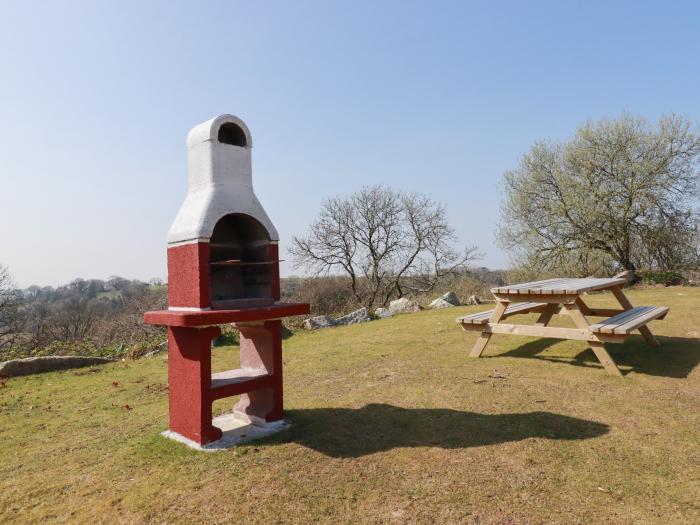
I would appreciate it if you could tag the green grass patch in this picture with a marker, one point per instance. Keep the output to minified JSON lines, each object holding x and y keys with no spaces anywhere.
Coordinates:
{"x":391,"y":424}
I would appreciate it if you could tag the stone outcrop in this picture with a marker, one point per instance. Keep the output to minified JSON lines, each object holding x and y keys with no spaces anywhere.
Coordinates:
{"x":320,"y":321}
{"x":358,"y":316}
{"x":445,"y":301}
{"x":440,"y":303}
{"x":36,"y":365}
{"x":403,"y":306}
{"x":382,"y":313}
{"x":451,"y":298}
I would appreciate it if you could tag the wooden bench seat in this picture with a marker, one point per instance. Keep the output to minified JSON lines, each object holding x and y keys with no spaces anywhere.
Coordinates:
{"x":629,"y":320}
{"x":513,"y":308}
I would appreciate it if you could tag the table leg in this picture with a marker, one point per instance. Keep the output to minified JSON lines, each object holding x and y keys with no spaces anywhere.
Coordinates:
{"x":627,"y":305}
{"x":598,"y":348}
{"x":483,"y":339}
{"x":546,"y":315}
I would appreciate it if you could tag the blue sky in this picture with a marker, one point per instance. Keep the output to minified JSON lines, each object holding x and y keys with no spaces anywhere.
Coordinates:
{"x":96,"y":99}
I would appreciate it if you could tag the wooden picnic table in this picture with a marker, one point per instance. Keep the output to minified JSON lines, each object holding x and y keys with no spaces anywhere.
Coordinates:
{"x":564,"y":296}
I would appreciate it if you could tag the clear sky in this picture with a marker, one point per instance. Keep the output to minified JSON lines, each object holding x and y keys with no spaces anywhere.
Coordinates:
{"x":96,"y":99}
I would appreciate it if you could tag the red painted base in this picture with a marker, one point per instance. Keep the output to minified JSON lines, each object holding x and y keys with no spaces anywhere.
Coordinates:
{"x":189,"y":380}
{"x":192,"y":389}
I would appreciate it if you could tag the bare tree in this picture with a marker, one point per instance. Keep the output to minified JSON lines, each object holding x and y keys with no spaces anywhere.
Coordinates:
{"x":126,"y":324}
{"x":10,"y":311}
{"x":73,"y":319}
{"x":619,"y":195}
{"x":388,"y":242}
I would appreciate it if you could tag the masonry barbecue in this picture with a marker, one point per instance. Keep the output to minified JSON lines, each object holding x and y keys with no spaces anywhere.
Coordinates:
{"x":223,"y":267}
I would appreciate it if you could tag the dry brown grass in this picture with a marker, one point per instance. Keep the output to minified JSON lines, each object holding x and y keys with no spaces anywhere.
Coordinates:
{"x":392,"y":424}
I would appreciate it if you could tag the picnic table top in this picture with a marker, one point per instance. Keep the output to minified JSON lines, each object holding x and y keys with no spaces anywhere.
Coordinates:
{"x":560,"y":286}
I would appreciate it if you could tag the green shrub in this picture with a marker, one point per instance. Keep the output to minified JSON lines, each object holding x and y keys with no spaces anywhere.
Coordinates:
{"x":228,"y":337}
{"x":665,"y":278}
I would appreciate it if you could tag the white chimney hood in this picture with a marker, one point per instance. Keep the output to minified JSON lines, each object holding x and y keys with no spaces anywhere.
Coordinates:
{"x":219,"y":181}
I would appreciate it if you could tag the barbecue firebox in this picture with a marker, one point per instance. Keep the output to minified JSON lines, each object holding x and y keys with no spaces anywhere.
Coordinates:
{"x":223,"y":267}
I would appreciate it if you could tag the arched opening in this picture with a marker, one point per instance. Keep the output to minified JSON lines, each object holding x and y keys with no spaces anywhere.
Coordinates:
{"x":230,"y":133}
{"x":240,"y":265}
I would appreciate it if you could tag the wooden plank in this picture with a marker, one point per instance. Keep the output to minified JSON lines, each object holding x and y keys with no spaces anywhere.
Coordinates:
{"x":554,"y":298}
{"x":562,"y":286}
{"x":605,"y":359}
{"x":598,"y":347}
{"x":589,"y":284}
{"x":630,"y":320}
{"x":656,"y":313}
{"x":547,"y":314}
{"x":608,"y":326}
{"x":514,"y":288}
{"x":576,"y":334}
{"x":603,"y":312}
{"x":513,"y":309}
{"x":484,"y":338}
{"x":548,"y":288}
{"x":626,"y":304}
{"x":606,"y":338}
{"x":480,"y":344}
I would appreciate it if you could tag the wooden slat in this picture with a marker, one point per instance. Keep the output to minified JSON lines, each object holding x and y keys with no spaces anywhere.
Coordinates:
{"x":523,"y":298}
{"x":630,"y":320}
{"x":512,"y":309}
{"x":627,"y":305}
{"x":576,"y":334}
{"x":659,"y":312}
{"x":565,"y":286}
{"x":524,"y":287}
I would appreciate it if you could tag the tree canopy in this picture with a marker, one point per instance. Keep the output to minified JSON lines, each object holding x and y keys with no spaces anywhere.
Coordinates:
{"x":621,"y":194}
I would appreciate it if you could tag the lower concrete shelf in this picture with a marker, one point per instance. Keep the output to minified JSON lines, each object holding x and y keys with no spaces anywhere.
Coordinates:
{"x":239,"y":381}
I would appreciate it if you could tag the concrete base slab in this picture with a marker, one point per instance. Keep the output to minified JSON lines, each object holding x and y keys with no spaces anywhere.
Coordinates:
{"x":236,"y":431}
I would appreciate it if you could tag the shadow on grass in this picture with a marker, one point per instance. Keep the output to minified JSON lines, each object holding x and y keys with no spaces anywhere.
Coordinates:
{"x":676,"y":357}
{"x":351,"y":433}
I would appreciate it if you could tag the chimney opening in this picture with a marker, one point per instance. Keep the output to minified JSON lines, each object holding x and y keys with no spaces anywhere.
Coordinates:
{"x":230,"y":133}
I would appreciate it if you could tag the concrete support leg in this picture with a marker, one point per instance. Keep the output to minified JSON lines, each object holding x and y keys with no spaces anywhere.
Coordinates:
{"x":261,"y":348}
{"x":189,"y":380}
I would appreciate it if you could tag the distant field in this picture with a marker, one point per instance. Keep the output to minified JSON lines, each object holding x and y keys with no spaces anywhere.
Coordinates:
{"x":391,"y":424}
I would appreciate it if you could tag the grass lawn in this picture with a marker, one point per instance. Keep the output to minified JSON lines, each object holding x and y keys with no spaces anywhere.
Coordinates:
{"x":391,"y":424}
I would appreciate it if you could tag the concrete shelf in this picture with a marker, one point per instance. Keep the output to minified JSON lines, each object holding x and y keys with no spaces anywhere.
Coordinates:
{"x":214,"y":317}
{"x":238,"y":381}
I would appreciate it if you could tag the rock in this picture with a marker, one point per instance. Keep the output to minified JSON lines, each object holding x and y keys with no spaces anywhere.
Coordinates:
{"x":473,"y":299}
{"x":440,"y":303}
{"x":402,"y":306}
{"x":320,"y":321}
{"x":35,"y":365}
{"x":383,"y":312}
{"x":358,"y":316}
{"x":451,"y":298}
{"x":445,"y":301}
